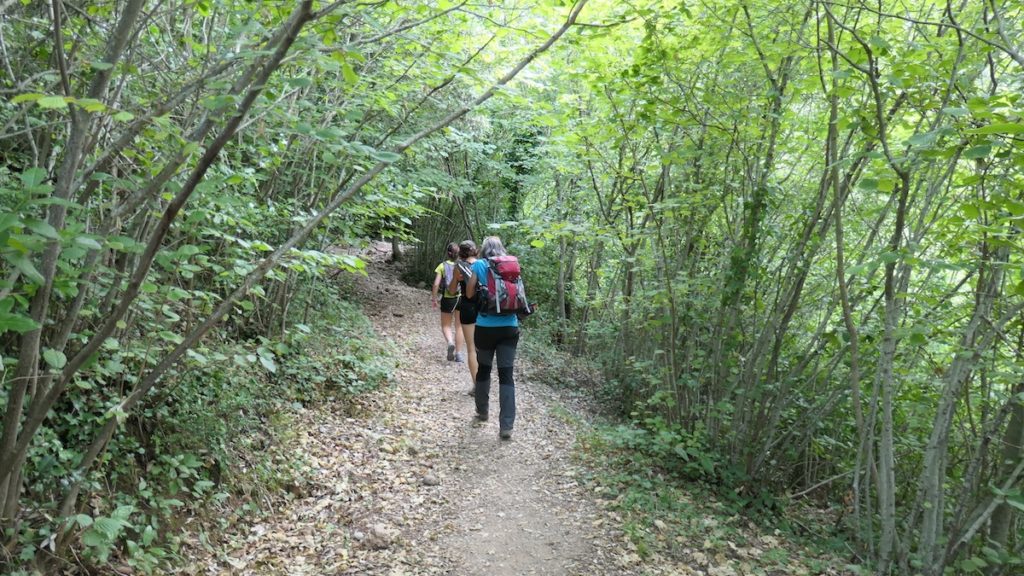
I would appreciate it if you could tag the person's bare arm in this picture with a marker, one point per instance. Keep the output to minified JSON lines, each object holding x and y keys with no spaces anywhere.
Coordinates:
{"x":470,"y":284}
{"x":433,"y":291}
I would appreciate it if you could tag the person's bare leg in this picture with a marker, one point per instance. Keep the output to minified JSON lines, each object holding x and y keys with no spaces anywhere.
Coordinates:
{"x":457,"y":327}
{"x":446,"y":331}
{"x":468,"y":330}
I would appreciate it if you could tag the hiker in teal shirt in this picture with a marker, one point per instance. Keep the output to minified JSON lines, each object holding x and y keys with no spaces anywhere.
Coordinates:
{"x":497,"y":335}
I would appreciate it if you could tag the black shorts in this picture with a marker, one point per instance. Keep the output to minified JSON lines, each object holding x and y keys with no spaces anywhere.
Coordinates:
{"x":448,"y":304}
{"x":467,"y":311}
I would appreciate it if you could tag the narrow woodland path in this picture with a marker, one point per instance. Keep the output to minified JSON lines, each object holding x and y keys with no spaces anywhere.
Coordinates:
{"x":406,"y":482}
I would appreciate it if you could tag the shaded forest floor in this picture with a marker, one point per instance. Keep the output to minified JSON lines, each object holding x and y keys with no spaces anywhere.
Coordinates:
{"x":404,"y":481}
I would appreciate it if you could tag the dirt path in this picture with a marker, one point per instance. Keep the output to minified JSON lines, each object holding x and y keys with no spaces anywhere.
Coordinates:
{"x":409,"y":483}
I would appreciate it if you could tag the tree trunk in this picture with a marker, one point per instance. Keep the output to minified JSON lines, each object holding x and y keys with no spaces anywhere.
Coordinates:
{"x":1005,"y":515}
{"x":977,"y":337}
{"x":396,"y":249}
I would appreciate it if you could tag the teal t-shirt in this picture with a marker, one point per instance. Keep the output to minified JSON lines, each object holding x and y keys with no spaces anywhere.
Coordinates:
{"x":482,"y":270}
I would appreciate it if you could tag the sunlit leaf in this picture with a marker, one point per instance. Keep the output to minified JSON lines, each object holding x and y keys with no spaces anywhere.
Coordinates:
{"x":33,"y":97}
{"x":52,"y":102}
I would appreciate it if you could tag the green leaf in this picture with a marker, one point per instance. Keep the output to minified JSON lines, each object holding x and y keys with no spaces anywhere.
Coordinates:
{"x":88,"y":242}
{"x":90,"y":105}
{"x":868,"y":184}
{"x":94,"y":539}
{"x":218,"y":102}
{"x":83,"y":520}
{"x":8,"y":220}
{"x":538,"y":243}
{"x":386,"y":157}
{"x":101,"y":65}
{"x":16,"y":323}
{"x":979,"y":151}
{"x":1000,"y":128}
{"x":21,"y":262}
{"x":881,"y":45}
{"x":268,"y":362}
{"x":123,"y":116}
{"x":52,"y":102}
{"x":148,"y":535}
{"x":109,"y":527}
{"x":30,"y":97}
{"x":886,"y":184}
{"x":299,"y":82}
{"x":55,"y":358}
{"x":348,"y":73}
{"x":42,"y":228}
{"x":33,"y":177}
{"x":170,"y":336}
{"x":926,"y":139}
{"x":199,"y":358}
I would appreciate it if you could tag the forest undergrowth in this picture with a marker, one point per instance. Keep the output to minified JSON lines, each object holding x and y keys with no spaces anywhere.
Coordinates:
{"x":399,"y":482}
{"x":667,"y":507}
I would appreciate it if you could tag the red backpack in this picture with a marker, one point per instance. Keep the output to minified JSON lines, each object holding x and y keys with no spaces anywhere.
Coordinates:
{"x":504,"y":292}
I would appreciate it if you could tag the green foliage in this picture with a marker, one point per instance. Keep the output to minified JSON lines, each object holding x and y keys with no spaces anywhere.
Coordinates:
{"x":220,"y":431}
{"x":687,"y":152}
{"x":672,"y":177}
{"x":332,"y":109}
{"x":335,"y":363}
{"x":664,"y":514}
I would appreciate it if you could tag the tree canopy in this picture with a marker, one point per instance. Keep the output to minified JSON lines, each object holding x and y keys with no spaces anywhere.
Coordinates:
{"x":788,"y":232}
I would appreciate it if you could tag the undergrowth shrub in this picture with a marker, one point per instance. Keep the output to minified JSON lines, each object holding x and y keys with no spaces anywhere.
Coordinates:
{"x":663,"y":479}
{"x":673,"y":509}
{"x":215,"y":436}
{"x":631,"y":395}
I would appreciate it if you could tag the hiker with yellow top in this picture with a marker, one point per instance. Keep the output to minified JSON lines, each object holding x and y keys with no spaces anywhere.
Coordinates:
{"x":448,"y":303}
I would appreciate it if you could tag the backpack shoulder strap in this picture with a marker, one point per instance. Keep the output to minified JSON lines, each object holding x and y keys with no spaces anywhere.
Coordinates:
{"x":492,"y":265}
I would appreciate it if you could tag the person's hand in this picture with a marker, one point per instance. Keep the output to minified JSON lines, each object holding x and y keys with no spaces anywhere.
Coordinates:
{"x":433,"y":303}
